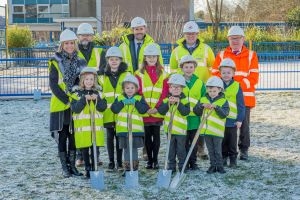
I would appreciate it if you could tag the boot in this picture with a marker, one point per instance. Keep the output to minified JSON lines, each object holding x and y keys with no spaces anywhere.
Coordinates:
{"x":119,"y":166}
{"x":63,"y":161}
{"x":225,"y":161}
{"x":73,"y":169}
{"x":135,"y":165}
{"x":244,"y":155}
{"x":232,"y":162}
{"x":126,"y":167}
{"x":221,"y":170}
{"x":87,"y":172}
{"x":211,"y":169}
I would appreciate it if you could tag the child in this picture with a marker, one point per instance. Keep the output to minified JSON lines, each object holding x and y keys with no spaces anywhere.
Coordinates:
{"x":126,"y":106}
{"x":87,"y":99}
{"x":176,"y":104}
{"x":154,"y":88}
{"x":213,"y":129}
{"x":111,"y":81}
{"x":195,"y":90}
{"x":235,"y":98}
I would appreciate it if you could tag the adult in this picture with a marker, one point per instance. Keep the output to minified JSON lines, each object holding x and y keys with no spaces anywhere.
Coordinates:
{"x":246,"y":74}
{"x":94,"y":56}
{"x":192,"y":44}
{"x":64,"y":70}
{"x":133,"y":44}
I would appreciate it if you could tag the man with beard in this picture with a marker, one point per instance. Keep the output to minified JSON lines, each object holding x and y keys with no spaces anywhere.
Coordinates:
{"x":134,"y":44}
{"x":95,"y":57}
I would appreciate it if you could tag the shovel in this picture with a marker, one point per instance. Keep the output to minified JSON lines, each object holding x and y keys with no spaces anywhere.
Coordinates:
{"x":164,"y":175}
{"x":97,"y":177}
{"x":131,"y":177}
{"x":180,"y":176}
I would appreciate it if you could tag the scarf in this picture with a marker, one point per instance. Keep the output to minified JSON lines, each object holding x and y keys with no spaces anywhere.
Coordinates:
{"x":71,"y":68}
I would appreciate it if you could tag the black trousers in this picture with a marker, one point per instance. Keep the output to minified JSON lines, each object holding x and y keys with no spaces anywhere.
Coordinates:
{"x":244,"y":138}
{"x":88,"y":155}
{"x":152,"y":142}
{"x":66,"y":139}
{"x":189,"y":139}
{"x":111,"y":136}
{"x":229,"y":143}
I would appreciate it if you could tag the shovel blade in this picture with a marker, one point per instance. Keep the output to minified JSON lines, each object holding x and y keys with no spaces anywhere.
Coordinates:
{"x":97,"y":180}
{"x":131,"y":179}
{"x":163,"y":178}
{"x":177,"y":180}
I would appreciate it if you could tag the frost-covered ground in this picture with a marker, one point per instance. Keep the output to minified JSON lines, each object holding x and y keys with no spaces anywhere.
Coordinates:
{"x":30,"y":168}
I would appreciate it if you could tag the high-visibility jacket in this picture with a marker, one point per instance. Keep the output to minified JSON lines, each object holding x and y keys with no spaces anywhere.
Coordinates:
{"x":193,"y":94}
{"x":214,"y":125}
{"x":203,"y":54}
{"x":83,"y":126}
{"x":94,"y":59}
{"x":110,"y":93}
{"x":55,"y":104}
{"x":246,"y":73}
{"x":179,"y":126}
{"x":230,"y":94}
{"x":123,"y":119}
{"x":152,"y":92}
{"x":127,"y":52}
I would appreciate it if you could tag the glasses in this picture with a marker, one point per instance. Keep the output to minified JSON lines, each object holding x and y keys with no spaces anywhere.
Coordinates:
{"x":176,"y":87}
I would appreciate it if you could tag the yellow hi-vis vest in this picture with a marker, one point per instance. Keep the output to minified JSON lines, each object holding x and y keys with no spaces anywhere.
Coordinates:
{"x":152,"y":92}
{"x":230,"y":94}
{"x":55,"y":104}
{"x":122,"y":121}
{"x":110,"y":93}
{"x":83,"y":127}
{"x":179,"y":126}
{"x":214,"y":125}
{"x":193,"y":94}
{"x":94,"y":59}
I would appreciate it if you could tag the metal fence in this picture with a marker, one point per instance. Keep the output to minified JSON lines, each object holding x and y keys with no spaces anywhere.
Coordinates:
{"x":25,"y":73}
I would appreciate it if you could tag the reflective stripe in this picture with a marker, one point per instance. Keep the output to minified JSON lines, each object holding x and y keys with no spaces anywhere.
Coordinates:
{"x":97,"y":54}
{"x":214,"y":70}
{"x":254,"y":70}
{"x":152,"y":100}
{"x":87,"y":128}
{"x":231,"y":104}
{"x":241,"y":73}
{"x":124,"y":114}
{"x":247,"y":82}
{"x":201,"y":64}
{"x":250,"y":94}
{"x":221,"y":55}
{"x":180,"y":119}
{"x":195,"y":101}
{"x":154,"y":89}
{"x":81,"y":116}
{"x":109,"y":94}
{"x":216,"y":120}
{"x":215,"y":130}
{"x":134,"y":126}
{"x":109,"y":105}
{"x":60,"y":80}
{"x":231,"y":115}
{"x":178,"y":130}
{"x":250,"y":57}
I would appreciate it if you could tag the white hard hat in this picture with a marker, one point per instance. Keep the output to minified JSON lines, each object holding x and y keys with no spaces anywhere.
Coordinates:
{"x":114,"y":52}
{"x":177,"y":79}
{"x":85,"y":29}
{"x":152,"y":50}
{"x":137,"y":21}
{"x":67,"y":35}
{"x":187,"y":58}
{"x":132,"y":79}
{"x":235,"y":30}
{"x":190,"y":27}
{"x":89,"y":70}
{"x":215,"y":81}
{"x":227,"y":62}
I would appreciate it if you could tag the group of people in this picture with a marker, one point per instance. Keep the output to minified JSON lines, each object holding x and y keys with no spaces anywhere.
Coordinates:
{"x":127,"y":90}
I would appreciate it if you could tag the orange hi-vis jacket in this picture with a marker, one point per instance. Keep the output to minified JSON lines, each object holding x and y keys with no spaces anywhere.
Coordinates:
{"x":246,"y":72}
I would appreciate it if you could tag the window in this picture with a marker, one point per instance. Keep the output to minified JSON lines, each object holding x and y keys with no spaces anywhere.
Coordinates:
{"x":30,"y":9}
{"x":18,"y":9}
{"x":43,"y":9}
{"x":65,"y":8}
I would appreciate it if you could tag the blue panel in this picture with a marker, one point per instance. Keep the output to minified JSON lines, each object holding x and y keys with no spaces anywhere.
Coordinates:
{"x":65,"y":1}
{"x":30,"y":2}
{"x":31,"y":20}
{"x":44,"y":20}
{"x":17,"y":1}
{"x":18,"y":20}
{"x":55,"y":1}
{"x":42,"y":1}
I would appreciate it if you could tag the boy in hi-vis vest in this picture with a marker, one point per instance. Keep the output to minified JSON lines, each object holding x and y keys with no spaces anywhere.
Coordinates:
{"x":176,"y":106}
{"x":213,"y":130}
{"x":129,"y":108}
{"x":87,"y":101}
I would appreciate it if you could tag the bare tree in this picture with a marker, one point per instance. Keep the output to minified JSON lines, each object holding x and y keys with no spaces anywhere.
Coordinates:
{"x":215,"y":15}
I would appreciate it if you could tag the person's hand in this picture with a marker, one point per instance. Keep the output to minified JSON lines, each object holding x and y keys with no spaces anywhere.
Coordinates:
{"x":88,"y":97}
{"x":238,"y":124}
{"x":94,"y":96}
{"x":207,"y":106}
{"x":173,"y":100}
{"x":152,"y":111}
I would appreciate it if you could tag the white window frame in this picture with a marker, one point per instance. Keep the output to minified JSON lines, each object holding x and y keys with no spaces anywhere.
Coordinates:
{"x":38,"y":5}
{"x":62,"y":7}
{"x":19,"y":5}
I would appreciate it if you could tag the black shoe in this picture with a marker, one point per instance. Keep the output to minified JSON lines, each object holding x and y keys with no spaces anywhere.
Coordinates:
{"x":232,"y":163}
{"x":155,"y":165}
{"x":149,"y":166}
{"x":194,"y":166}
{"x":87,"y":174}
{"x":211,"y":169}
{"x":221,"y":170}
{"x":120,"y":166}
{"x":244,"y":155}
{"x":225,"y":161}
{"x":111,"y":165}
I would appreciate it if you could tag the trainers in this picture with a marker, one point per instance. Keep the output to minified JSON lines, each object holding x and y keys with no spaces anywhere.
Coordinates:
{"x":244,"y":155}
{"x":221,"y":170}
{"x":211,"y":169}
{"x":79,"y":163}
{"x":120,"y":167}
{"x":111,"y":165}
{"x":232,"y":162}
{"x":148,"y":165}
